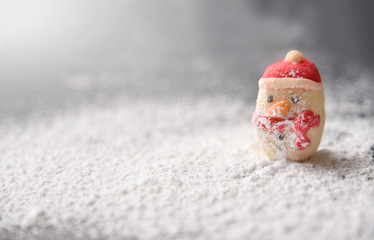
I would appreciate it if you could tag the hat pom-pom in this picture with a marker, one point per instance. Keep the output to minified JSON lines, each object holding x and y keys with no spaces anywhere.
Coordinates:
{"x":294,"y":57}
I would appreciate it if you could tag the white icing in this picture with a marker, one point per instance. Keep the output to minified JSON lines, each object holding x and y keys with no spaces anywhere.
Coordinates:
{"x":286,"y":82}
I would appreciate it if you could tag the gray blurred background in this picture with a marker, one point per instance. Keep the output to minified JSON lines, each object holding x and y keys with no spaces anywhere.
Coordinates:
{"x":61,"y":54}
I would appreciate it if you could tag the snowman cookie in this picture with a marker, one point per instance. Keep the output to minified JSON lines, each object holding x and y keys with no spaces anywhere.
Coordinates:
{"x":290,"y":109}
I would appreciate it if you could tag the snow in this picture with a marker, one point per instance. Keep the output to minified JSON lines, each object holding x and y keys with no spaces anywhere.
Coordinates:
{"x":156,"y":169}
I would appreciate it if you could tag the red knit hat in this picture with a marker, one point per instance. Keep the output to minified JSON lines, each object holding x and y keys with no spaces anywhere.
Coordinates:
{"x":295,"y":71}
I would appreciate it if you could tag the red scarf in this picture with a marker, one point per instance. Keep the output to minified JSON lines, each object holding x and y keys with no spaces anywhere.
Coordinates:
{"x":299,"y":125}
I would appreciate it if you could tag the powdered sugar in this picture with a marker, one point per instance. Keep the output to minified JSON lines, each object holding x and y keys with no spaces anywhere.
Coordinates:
{"x":188,"y":169}
{"x":293,"y":73}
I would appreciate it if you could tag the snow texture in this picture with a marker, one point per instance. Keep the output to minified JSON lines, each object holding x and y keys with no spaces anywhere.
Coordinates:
{"x":154,"y":169}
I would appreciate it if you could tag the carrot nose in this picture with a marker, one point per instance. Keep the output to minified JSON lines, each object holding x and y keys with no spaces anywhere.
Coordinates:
{"x":279,"y":109}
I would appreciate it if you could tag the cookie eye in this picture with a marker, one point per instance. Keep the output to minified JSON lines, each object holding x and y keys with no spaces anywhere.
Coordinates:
{"x":270,"y":98}
{"x":295,"y":99}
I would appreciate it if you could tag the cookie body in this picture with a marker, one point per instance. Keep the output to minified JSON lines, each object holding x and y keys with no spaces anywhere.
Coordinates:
{"x":290,"y":110}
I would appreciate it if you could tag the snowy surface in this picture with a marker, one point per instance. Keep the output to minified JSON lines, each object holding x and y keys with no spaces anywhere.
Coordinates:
{"x":160,"y":170}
